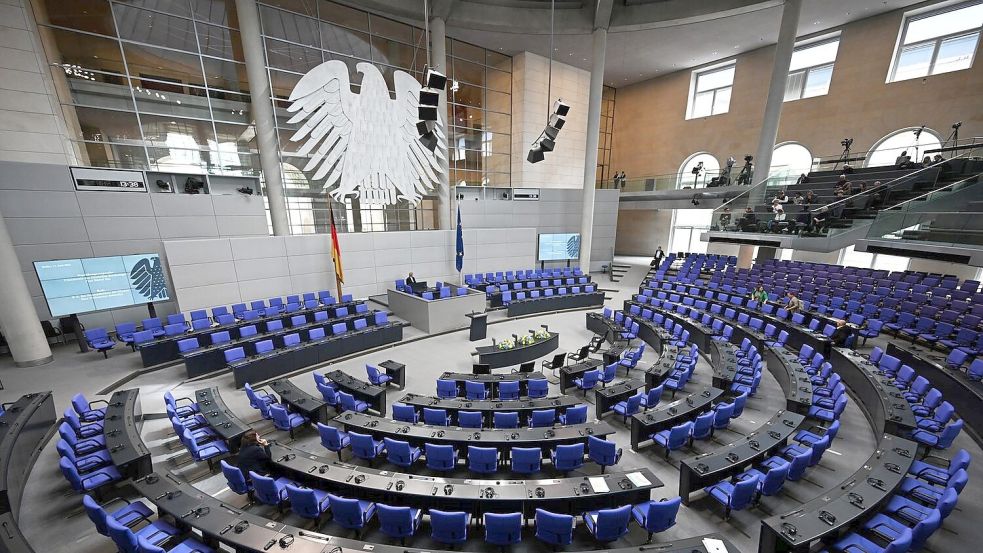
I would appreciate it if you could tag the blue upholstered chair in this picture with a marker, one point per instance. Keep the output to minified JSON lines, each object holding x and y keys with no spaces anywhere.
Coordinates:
{"x":398,"y":522}
{"x":526,"y":460}
{"x":603,"y":452}
{"x":353,"y":514}
{"x":365,"y":446}
{"x":568,"y":457}
{"x":555,"y":529}
{"x":576,"y":414}
{"x":656,"y":516}
{"x":400,"y":453}
{"x":440,"y":457}
{"x":608,"y":525}
{"x":333,"y":439}
{"x":734,"y":496}
{"x":307,"y":503}
{"x":503,"y":529}
{"x":449,"y":527}
{"x":482,"y":459}
{"x":285,"y":420}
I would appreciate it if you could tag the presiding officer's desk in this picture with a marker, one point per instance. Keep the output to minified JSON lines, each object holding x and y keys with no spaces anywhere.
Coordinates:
{"x":374,"y":395}
{"x":220,"y":418}
{"x":164,"y":348}
{"x":882,"y":403}
{"x":299,"y":401}
{"x":322,"y":350}
{"x":571,"y":372}
{"x":836,"y":510}
{"x":503,"y":439}
{"x":121,"y":429}
{"x":439,"y":314}
{"x":667,"y":415}
{"x":695,"y":473}
{"x":791,"y":376}
{"x":216,"y":520}
{"x":24,"y":430}
{"x":491,"y":381}
{"x":964,"y":394}
{"x":524,"y":407}
{"x":496,"y":358}
{"x":475,"y":495}
{"x":557,"y":302}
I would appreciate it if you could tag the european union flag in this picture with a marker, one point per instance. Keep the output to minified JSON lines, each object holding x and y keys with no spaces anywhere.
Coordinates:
{"x":460,"y":242}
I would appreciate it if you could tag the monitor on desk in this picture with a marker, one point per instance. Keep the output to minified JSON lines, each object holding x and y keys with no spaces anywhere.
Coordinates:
{"x":481,"y":368}
{"x":418,"y":287}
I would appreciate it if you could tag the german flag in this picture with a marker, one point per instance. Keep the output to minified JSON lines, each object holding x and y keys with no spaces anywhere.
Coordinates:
{"x":339,"y":273}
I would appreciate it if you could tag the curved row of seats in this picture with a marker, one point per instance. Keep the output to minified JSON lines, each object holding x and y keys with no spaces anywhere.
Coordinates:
{"x":507,"y":390}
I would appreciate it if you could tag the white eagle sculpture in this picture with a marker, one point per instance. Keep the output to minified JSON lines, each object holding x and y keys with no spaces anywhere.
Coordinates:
{"x":364,"y":144}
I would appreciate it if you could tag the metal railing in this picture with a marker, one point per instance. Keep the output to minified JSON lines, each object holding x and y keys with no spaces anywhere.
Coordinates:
{"x":951,"y":228}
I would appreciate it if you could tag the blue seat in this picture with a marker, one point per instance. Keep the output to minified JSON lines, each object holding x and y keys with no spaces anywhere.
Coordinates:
{"x":588,"y":381}
{"x":349,"y":403}
{"x":939,"y":475}
{"x":629,"y":406}
{"x":398,"y":522}
{"x":400,"y":453}
{"x":130,"y":514}
{"x":285,"y":420}
{"x":542,"y":418}
{"x":889,"y":529}
{"x":482,"y":459}
{"x":307,"y":502}
{"x":574,"y":415}
{"x":99,"y":340}
{"x":771,"y":482}
{"x":127,"y":541}
{"x":405,"y":413}
{"x":437,"y":417}
{"x":555,"y":529}
{"x":475,"y":390}
{"x":508,"y":390}
{"x":333,"y":439}
{"x":469,"y":419}
{"x":734,"y":496}
{"x":723,"y":412}
{"x":537,"y":388}
{"x":124,"y":333}
{"x":446,"y":389}
{"x":236,"y":480}
{"x":449,"y":527}
{"x":652,"y":398}
{"x":506,"y":419}
{"x":440,"y":457}
{"x":90,"y":481}
{"x":503,"y":529}
{"x":376,"y":376}
{"x":269,"y":491}
{"x":526,"y":460}
{"x":656,"y":516}
{"x":674,"y":438}
{"x":365,"y":446}
{"x":568,"y":457}
{"x":703,"y":426}
{"x":854,"y":543}
{"x":353,"y":514}
{"x":608,"y":525}
{"x":603,"y":452}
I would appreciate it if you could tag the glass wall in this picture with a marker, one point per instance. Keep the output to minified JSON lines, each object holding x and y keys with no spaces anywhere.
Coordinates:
{"x":606,"y":136}
{"x":161,"y":85}
{"x":152,"y":84}
{"x":301,"y":34}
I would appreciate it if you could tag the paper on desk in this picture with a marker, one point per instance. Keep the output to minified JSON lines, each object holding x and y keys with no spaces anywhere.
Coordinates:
{"x":638,"y":479}
{"x":714,"y":546}
{"x":599,"y":484}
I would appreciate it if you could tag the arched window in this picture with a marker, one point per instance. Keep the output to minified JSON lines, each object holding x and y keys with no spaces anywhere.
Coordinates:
{"x":686,"y":177}
{"x":790,"y":158}
{"x":887,"y":149}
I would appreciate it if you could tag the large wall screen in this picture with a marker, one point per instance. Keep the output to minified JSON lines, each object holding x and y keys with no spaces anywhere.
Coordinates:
{"x":73,"y":286}
{"x":559,"y":247}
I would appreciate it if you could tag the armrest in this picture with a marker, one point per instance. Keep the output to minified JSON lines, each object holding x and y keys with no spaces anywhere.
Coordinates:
{"x":188,"y":399}
{"x":323,"y":501}
{"x":93,"y":402}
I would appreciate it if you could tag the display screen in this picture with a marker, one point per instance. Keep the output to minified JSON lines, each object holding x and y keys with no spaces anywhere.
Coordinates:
{"x":73,"y":286}
{"x":559,"y":247}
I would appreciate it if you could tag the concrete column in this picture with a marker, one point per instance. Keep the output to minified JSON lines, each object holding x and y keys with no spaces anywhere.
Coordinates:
{"x":776,"y":91}
{"x":745,"y":256}
{"x":262,"y":108}
{"x":18,"y":318}
{"x":600,"y":37}
{"x":438,"y":57}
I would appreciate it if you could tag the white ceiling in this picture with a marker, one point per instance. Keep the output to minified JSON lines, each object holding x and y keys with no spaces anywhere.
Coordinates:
{"x":637,"y":55}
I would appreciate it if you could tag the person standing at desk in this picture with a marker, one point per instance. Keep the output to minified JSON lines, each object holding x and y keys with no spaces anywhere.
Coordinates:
{"x":760,"y":295}
{"x":842,"y":333}
{"x":659,"y":256}
{"x":254,"y":455}
{"x":410,"y":280}
{"x":794,"y":304}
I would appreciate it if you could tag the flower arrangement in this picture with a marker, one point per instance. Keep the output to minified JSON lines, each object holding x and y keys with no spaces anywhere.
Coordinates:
{"x":506,"y":344}
{"x":541,"y":334}
{"x":526,"y":340}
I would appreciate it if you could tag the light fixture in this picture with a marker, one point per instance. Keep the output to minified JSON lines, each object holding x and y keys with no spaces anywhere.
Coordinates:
{"x":429,"y":98}
{"x":546,"y":141}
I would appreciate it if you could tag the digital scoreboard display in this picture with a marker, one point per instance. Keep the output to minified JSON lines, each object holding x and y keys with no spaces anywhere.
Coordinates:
{"x":73,"y":286}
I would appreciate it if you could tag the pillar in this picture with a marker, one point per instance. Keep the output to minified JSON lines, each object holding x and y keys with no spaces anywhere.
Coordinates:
{"x":776,"y":92}
{"x":600,"y":39}
{"x":18,"y":318}
{"x":438,"y":58}
{"x":262,"y":109}
{"x":745,"y":257}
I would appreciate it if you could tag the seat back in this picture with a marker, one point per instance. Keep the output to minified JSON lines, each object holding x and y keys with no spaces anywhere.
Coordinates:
{"x":576,"y":414}
{"x":435,"y":416}
{"x":95,"y":513}
{"x":404,"y":413}
{"x":475,"y":390}
{"x":330,"y":437}
{"x":743,"y":493}
{"x":122,"y":536}
{"x":440,"y":457}
{"x":554,"y":528}
{"x":469,"y":419}
{"x":506,"y":419}
{"x":526,"y":459}
{"x":798,"y":465}
{"x":503,"y":529}
{"x":346,"y":512}
{"x":542,"y":417}
{"x":612,"y":523}
{"x":237,"y":482}
{"x":448,"y":526}
{"x":508,"y":390}
{"x":363,"y":445}
{"x":482,"y":459}
{"x":396,"y":522}
{"x":703,"y":425}
{"x":602,"y":452}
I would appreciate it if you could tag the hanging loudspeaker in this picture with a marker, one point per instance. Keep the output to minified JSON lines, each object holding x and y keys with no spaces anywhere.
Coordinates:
{"x":428,"y":113}
{"x":423,"y":127}
{"x":547,"y":144}
{"x":429,"y":141}
{"x":560,"y":107}
{"x":557,"y":121}
{"x":428,"y":97}
{"x":435,"y":79}
{"x":535,"y":154}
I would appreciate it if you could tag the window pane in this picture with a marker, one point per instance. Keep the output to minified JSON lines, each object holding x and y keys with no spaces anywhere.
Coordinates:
{"x":467,"y":51}
{"x":168,"y":103}
{"x":467,"y":72}
{"x":114,"y":155}
{"x":702,"y":104}
{"x":913,"y":61}
{"x":177,"y":7}
{"x":345,"y":41}
{"x":305,"y":7}
{"x":721,"y":101}
{"x":231,"y":107}
{"x":818,"y":82}
{"x":173,"y":132}
{"x":380,"y":26}
{"x":793,"y":85}
{"x":220,"y":42}
{"x":86,"y":15}
{"x":163,"y":65}
{"x":343,"y":15}
{"x":813,"y":55}
{"x":715,"y":79}
{"x":221,"y":12}
{"x":225,"y":75}
{"x":156,"y":28}
{"x":970,"y":17}
{"x":955,"y":53}
{"x":403,"y":56}
{"x":292,"y":57}
{"x":102,"y":125}
{"x":498,"y":80}
{"x":98,"y":89}
{"x":86,"y":51}
{"x":290,"y":26}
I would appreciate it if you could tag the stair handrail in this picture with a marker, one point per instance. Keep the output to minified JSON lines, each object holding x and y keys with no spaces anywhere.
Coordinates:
{"x":930,"y":192}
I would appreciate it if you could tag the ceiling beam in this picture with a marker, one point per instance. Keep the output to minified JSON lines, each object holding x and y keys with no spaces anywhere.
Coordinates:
{"x":602,"y":13}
